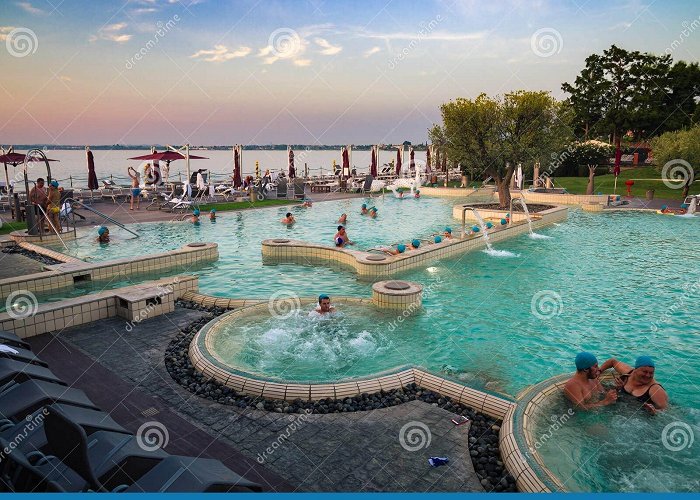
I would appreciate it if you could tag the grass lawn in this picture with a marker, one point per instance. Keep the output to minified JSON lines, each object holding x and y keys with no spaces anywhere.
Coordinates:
{"x":604,"y":184}
{"x":245,"y":205}
{"x":8,"y":227}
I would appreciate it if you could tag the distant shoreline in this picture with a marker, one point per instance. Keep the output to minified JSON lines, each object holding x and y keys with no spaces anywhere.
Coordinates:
{"x":252,"y":147}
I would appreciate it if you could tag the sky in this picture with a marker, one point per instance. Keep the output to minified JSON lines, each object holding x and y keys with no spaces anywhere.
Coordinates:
{"x":209,"y":72}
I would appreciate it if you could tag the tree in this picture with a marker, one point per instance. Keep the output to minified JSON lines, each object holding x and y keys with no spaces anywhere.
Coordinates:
{"x":677,"y":154}
{"x":590,"y":153}
{"x":623,"y":90}
{"x":491,"y":135}
{"x":680,"y":103}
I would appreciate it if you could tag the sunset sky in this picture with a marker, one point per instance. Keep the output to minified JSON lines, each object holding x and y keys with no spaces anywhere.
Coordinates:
{"x":312,"y":72}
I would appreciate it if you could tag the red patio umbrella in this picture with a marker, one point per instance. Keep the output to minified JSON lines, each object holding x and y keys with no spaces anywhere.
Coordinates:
{"x":167,"y":157}
{"x":292,"y":172}
{"x":373,"y":165}
{"x":92,"y":176}
{"x":346,"y":163}
{"x":412,"y":156}
{"x":237,"y":181}
{"x":15,"y":159}
{"x":427,"y":160}
{"x":398,"y":160}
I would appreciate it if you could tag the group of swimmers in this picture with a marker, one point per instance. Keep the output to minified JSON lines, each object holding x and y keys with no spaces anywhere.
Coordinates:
{"x":584,"y":389}
{"x":196,"y":213}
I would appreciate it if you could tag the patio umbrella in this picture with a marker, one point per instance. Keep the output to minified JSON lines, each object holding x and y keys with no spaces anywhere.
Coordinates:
{"x":237,"y":181}
{"x":14,"y":159}
{"x":373,"y":165}
{"x":427,"y":159}
{"x":346,"y":163}
{"x":412,"y":158}
{"x":398,"y":159}
{"x":444,"y":161}
{"x":292,"y":172}
{"x":167,"y":157}
{"x":92,"y":176}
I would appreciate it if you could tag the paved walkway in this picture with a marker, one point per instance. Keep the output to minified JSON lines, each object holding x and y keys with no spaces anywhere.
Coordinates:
{"x":337,"y":452}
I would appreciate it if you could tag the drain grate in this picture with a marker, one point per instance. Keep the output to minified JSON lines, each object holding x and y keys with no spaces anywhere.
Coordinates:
{"x":150,"y":412}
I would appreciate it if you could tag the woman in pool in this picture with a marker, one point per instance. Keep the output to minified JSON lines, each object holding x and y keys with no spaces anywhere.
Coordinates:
{"x":307,"y":204}
{"x":373,"y":212}
{"x":343,"y":219}
{"x":135,"y":187}
{"x":447,"y":234}
{"x":639,"y":382}
{"x":212,"y":215}
{"x":414,"y":245}
{"x":288,"y":219}
{"x":417,"y":194}
{"x":400,"y":248}
{"x":103,"y":234}
{"x":195,"y":216}
{"x":363,"y":211}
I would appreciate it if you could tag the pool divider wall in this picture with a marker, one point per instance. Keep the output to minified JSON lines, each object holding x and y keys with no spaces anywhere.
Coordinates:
{"x":373,"y":265}
{"x":530,"y":197}
{"x":133,"y":303}
{"x":64,"y":275}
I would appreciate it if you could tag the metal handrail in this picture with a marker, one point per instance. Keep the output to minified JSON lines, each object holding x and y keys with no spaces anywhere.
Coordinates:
{"x":52,"y":226}
{"x":104,"y":216}
{"x":464,"y":219}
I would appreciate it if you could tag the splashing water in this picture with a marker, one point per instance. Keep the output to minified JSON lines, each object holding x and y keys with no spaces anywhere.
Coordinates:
{"x":482,"y":225}
{"x":500,"y":253}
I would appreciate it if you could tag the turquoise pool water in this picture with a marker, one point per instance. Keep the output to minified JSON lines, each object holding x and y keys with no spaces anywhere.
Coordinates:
{"x":620,"y":448}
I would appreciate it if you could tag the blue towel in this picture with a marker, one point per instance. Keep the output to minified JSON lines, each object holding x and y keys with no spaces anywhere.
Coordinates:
{"x":438,"y":461}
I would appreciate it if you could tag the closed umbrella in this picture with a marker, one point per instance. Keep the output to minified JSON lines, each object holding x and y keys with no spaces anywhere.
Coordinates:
{"x":346,"y":163}
{"x":427,"y":159}
{"x":237,"y":181}
{"x":373,"y":165}
{"x":92,"y":176}
{"x":412,"y":158}
{"x":292,"y":172}
{"x":398,"y":160}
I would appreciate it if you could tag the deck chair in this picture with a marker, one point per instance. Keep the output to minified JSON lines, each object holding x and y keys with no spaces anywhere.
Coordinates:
{"x":11,"y":339}
{"x":183,"y":202}
{"x":299,"y":188}
{"x":19,"y":475}
{"x":20,"y":400}
{"x":12,"y":370}
{"x":282,"y":188}
{"x":23,"y":355}
{"x":367,"y":186}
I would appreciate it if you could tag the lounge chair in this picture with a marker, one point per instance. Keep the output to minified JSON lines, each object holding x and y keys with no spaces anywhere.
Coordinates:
{"x":282,"y":188}
{"x":299,"y":188}
{"x":23,"y":355}
{"x":20,"y":400}
{"x":19,"y":475}
{"x":367,"y":186}
{"x":90,"y":458}
{"x":12,"y":370}
{"x":11,"y":339}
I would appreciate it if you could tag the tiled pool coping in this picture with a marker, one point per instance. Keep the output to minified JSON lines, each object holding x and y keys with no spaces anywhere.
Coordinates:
{"x":373,"y":265}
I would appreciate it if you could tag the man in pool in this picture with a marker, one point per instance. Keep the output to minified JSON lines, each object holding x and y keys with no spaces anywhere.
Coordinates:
{"x":373,"y":212}
{"x":195,"y":216}
{"x":639,"y":382}
{"x":584,"y":388}
{"x":448,"y":233}
{"x":324,"y":305}
{"x":341,"y":238}
{"x":364,"y":209}
{"x":343,"y":219}
{"x":288,"y":219}
{"x":212,"y":214}
{"x":103,"y":234}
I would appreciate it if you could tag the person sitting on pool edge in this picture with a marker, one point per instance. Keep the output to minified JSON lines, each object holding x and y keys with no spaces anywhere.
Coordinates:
{"x":288,"y":219}
{"x":341,"y":238}
{"x":585,"y":384}
{"x":639,"y":382}
{"x":324,"y":305}
{"x":343,"y":219}
{"x":363,"y":211}
{"x":103,"y":234}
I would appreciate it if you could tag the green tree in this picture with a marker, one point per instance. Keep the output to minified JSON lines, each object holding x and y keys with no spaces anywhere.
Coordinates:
{"x":677,"y":155}
{"x":680,"y":103}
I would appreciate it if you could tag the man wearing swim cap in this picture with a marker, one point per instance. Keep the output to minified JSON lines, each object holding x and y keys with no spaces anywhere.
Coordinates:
{"x":324,"y":305}
{"x":585,"y":384}
{"x":639,"y":383}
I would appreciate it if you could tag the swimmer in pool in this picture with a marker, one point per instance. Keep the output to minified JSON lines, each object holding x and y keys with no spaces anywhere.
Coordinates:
{"x":584,"y":388}
{"x":288,"y":219}
{"x":639,"y":382}
{"x":341,"y":238}
{"x":195,"y":216}
{"x":400,"y":248}
{"x":373,"y":212}
{"x":447,"y":234}
{"x":324,"y":305}
{"x":417,"y":194}
{"x":212,"y":214}
{"x":414,"y":245}
{"x":343,"y":219}
{"x":363,"y":211}
{"x":307,"y":204}
{"x":103,"y":234}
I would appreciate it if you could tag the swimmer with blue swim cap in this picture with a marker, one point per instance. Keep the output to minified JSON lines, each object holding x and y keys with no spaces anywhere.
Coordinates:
{"x":438,"y":239}
{"x":415,"y":244}
{"x":639,"y":383}
{"x":103,"y":234}
{"x":212,"y":214}
{"x":363,"y":211}
{"x":324,"y":304}
{"x":584,"y":388}
{"x":195,"y":215}
{"x":447,"y":233}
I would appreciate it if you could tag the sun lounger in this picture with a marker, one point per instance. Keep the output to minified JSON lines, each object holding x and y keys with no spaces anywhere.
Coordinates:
{"x":11,"y":339}
{"x":12,"y":370}
{"x":281,"y":188}
{"x":18,"y":474}
{"x":299,"y":188}
{"x":23,"y":355}
{"x":20,"y":400}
